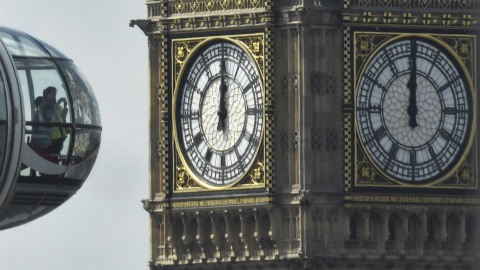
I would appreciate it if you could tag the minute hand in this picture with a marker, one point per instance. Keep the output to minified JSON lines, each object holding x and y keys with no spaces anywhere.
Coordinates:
{"x":412,"y":85}
{"x":222,"y":110}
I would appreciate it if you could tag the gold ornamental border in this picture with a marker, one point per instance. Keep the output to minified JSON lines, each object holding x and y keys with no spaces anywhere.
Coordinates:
{"x":412,"y":13}
{"x":182,"y":51}
{"x":407,"y":199}
{"x":364,"y":172}
{"x":414,"y":4}
{"x":216,"y":202}
{"x":199,"y":6}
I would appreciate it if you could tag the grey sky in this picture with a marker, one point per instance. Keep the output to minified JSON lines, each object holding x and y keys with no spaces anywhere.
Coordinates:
{"x":104,"y":225}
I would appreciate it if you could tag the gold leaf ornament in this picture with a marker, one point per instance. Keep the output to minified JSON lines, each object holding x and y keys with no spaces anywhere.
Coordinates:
{"x":180,"y":52}
{"x":224,"y":4}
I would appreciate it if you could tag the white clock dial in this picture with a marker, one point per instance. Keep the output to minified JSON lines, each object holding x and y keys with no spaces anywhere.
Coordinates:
{"x":220,"y":113}
{"x":414,"y":110}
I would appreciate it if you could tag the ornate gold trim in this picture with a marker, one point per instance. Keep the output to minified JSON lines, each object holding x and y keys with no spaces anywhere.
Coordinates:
{"x":200,"y":6}
{"x":217,"y":202}
{"x":365,"y":174}
{"x":415,"y":4}
{"x":393,"y":198}
{"x":424,"y":13}
{"x":163,"y":143}
{"x":260,"y":174}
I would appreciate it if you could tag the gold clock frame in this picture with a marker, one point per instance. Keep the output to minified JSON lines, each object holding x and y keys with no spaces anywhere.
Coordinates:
{"x":256,"y":176}
{"x":360,"y":170}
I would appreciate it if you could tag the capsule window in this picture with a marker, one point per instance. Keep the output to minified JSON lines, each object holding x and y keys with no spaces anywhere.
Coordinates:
{"x":3,"y":122}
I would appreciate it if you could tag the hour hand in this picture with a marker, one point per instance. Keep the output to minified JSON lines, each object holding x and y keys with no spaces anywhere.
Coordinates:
{"x":412,"y":109}
{"x":222,"y":110}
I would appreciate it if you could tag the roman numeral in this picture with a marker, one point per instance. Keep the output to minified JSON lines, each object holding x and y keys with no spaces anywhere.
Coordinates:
{"x":448,"y":136}
{"x":432,"y":153}
{"x":239,"y":63}
{"x":197,"y":139}
{"x":391,"y":64}
{"x":250,"y":84}
{"x":239,"y":157}
{"x":434,"y":63}
{"x":204,"y":63}
{"x":371,"y":108}
{"x":253,"y":111}
{"x":384,"y":89}
{"x":413,"y":162}
{"x":247,"y":135}
{"x":445,"y":134}
{"x":454,"y":111}
{"x":192,"y":116}
{"x":379,"y":133}
{"x":222,"y":161}
{"x":393,"y":151}
{"x":413,"y":157}
{"x":208,"y":156}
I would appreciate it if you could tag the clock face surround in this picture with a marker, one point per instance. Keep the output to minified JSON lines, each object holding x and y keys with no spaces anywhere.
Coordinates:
{"x":219,"y":113}
{"x":414,"y":110}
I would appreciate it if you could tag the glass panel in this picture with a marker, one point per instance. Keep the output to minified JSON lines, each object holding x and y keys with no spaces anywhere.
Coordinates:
{"x":3,"y":123}
{"x":86,"y":143}
{"x":46,"y":110}
{"x":20,"y":44}
{"x":85,"y":151}
{"x":54,"y":52}
{"x":43,"y":88}
{"x":30,"y":48}
{"x":11,"y":44}
{"x":84,"y":103}
{"x":49,"y":141}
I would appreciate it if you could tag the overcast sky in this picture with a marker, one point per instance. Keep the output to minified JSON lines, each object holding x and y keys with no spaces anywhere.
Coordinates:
{"x":104,"y":225}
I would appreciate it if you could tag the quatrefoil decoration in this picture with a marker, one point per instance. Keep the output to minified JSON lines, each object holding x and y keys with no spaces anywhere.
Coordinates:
{"x":224,"y":4}
{"x":179,"y":6}
{"x":240,"y":3}
{"x":209,"y":5}
{"x":194,"y":5}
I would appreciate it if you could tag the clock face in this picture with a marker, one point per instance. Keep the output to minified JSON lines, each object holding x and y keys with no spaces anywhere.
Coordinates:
{"x":219,"y":113}
{"x":414,"y":110}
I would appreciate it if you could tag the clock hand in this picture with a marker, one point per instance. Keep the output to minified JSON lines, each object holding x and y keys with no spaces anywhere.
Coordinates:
{"x":222,"y":110}
{"x":412,"y":109}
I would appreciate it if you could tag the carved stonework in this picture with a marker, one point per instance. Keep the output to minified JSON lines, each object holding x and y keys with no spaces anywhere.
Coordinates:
{"x":331,"y":83}
{"x":295,"y":139}
{"x":295,"y":83}
{"x":201,"y":6}
{"x":331,"y":140}
{"x":317,"y":82}
{"x":413,"y":4}
{"x":323,"y":82}
{"x":328,"y":206}
{"x":315,"y":139}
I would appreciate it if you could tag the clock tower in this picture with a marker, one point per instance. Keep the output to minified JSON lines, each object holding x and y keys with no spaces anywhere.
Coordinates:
{"x":313,"y":134}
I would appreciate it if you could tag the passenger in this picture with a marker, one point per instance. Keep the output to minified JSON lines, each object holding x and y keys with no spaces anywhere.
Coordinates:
{"x":53,"y":112}
{"x":41,"y":136}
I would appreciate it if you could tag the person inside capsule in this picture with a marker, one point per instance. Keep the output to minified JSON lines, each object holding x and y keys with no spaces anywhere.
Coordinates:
{"x":47,"y":109}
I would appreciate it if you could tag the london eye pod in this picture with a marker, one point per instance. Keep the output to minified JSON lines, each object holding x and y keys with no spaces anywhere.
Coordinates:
{"x":50,"y":128}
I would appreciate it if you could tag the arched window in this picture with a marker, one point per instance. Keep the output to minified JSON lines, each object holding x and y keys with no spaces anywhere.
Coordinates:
{"x":392,"y":227}
{"x":414,"y":228}
{"x":453,"y":228}
{"x":375,"y":226}
{"x":470,"y":229}
{"x":431,"y":235}
{"x":354,"y":226}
